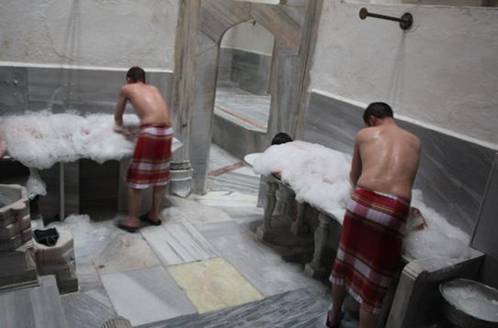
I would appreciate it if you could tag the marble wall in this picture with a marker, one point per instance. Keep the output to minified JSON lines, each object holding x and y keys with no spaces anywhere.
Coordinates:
{"x":484,"y":238}
{"x":86,"y":90}
{"x":452,"y":174}
{"x":248,"y":70}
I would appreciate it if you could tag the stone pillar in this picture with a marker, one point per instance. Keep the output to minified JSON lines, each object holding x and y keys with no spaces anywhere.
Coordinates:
{"x":316,"y":267}
{"x":263,"y":231}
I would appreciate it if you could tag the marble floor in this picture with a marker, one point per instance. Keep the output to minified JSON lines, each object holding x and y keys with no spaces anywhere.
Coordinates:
{"x":203,"y":267}
{"x":239,"y":106}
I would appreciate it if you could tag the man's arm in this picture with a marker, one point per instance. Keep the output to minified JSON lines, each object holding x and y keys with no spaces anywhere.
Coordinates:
{"x":120,"y":108}
{"x":355,"y":173}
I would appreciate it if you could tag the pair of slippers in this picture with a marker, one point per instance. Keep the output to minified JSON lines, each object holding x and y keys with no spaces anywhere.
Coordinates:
{"x":143,"y":218}
{"x":336,"y":324}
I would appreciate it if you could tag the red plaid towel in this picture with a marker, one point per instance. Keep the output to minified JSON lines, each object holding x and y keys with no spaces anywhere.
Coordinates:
{"x":369,"y":252}
{"x":150,"y":163}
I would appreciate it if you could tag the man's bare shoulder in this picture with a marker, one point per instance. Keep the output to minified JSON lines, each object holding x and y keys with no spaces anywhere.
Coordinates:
{"x":126,"y":90}
{"x":366,"y":133}
{"x":412,"y":138}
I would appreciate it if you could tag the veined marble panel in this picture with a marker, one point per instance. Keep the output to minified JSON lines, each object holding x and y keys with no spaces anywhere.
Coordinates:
{"x":260,"y":264}
{"x":86,"y":310}
{"x":33,"y":307}
{"x":303,"y":308}
{"x":89,"y":91}
{"x":177,"y":242}
{"x":125,"y":252}
{"x":453,"y":172}
{"x":13,"y":89}
{"x":146,"y":296}
{"x":213,"y":284}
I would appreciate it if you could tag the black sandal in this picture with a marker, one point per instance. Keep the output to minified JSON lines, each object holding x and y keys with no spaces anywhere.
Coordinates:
{"x":329,"y":324}
{"x":122,"y":225}
{"x":145,"y":218}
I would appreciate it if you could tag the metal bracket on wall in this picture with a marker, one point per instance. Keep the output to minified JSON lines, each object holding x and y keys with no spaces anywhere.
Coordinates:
{"x":405,"y":22}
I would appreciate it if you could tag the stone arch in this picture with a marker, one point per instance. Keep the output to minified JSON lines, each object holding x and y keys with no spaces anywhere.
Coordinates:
{"x":201,"y":26}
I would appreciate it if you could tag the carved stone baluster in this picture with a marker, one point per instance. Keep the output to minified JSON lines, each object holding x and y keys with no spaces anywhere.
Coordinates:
{"x":316,"y":267}
{"x":271,"y":199}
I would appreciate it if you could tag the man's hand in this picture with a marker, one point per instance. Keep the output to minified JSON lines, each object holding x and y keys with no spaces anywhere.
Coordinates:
{"x":121,"y":130}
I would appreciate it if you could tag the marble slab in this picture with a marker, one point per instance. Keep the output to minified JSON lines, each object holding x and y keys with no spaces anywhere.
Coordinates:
{"x":33,"y":307}
{"x":177,"y":242}
{"x":125,"y":252}
{"x":261,"y":265}
{"x":228,"y":199}
{"x":196,"y":213}
{"x":146,"y":296}
{"x":213,"y":284}
{"x":233,"y":181}
{"x":87,"y":310}
{"x":303,"y":308}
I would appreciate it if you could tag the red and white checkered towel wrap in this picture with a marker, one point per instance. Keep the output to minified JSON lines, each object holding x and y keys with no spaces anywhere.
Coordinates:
{"x":369,"y":253}
{"x":150,"y":163}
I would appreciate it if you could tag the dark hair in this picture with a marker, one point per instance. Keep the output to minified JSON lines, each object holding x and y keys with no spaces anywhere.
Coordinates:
{"x":281,"y":138}
{"x":136,"y":74}
{"x":378,"y":110}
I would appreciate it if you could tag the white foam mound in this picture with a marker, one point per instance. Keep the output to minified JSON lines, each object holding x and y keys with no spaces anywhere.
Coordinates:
{"x":320,"y":177}
{"x":42,"y":139}
{"x":438,"y":239}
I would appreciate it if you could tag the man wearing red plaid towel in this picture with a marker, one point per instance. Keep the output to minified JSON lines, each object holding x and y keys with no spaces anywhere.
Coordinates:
{"x":384,"y":165}
{"x":150,"y":162}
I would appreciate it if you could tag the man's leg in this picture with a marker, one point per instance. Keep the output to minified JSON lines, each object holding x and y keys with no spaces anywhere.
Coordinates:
{"x":367,"y":319}
{"x":157,"y":197}
{"x":338,"y":295}
{"x":132,"y":223}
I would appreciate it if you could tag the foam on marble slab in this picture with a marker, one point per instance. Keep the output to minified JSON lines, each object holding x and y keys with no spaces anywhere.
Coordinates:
{"x":317,"y":174}
{"x":320,"y":177}
{"x":41,"y":139}
{"x":438,"y":239}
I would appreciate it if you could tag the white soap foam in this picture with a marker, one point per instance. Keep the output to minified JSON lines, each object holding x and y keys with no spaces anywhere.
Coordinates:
{"x":317,"y":174}
{"x":320,"y":177}
{"x":42,"y":139}
{"x":473,"y":301}
{"x":35,"y":185}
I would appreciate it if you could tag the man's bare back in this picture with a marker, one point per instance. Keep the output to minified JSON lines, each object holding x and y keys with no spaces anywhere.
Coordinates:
{"x":147,"y":101}
{"x":386,"y":158}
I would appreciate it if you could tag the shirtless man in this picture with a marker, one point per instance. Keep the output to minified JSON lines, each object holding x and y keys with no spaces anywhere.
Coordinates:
{"x":384,"y":165}
{"x":150,"y":163}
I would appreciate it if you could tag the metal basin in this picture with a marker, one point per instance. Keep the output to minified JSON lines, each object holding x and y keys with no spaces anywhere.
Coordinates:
{"x":470,"y":304}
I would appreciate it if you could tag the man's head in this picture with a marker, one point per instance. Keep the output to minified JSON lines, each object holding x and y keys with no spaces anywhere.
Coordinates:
{"x":281,"y":138}
{"x":135,"y":74}
{"x":377,"y":112}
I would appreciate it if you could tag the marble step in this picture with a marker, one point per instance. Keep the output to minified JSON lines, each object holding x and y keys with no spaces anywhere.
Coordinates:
{"x":304,"y":308}
{"x":235,"y":182}
{"x":33,"y":307}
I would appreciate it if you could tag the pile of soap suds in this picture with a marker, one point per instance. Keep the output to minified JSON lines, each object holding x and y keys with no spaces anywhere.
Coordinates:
{"x":438,"y":239}
{"x":41,"y":139}
{"x":320,"y":176}
{"x":317,"y":174}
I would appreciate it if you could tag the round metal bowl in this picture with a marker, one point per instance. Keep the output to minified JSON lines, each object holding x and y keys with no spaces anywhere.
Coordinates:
{"x":470,"y":304}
